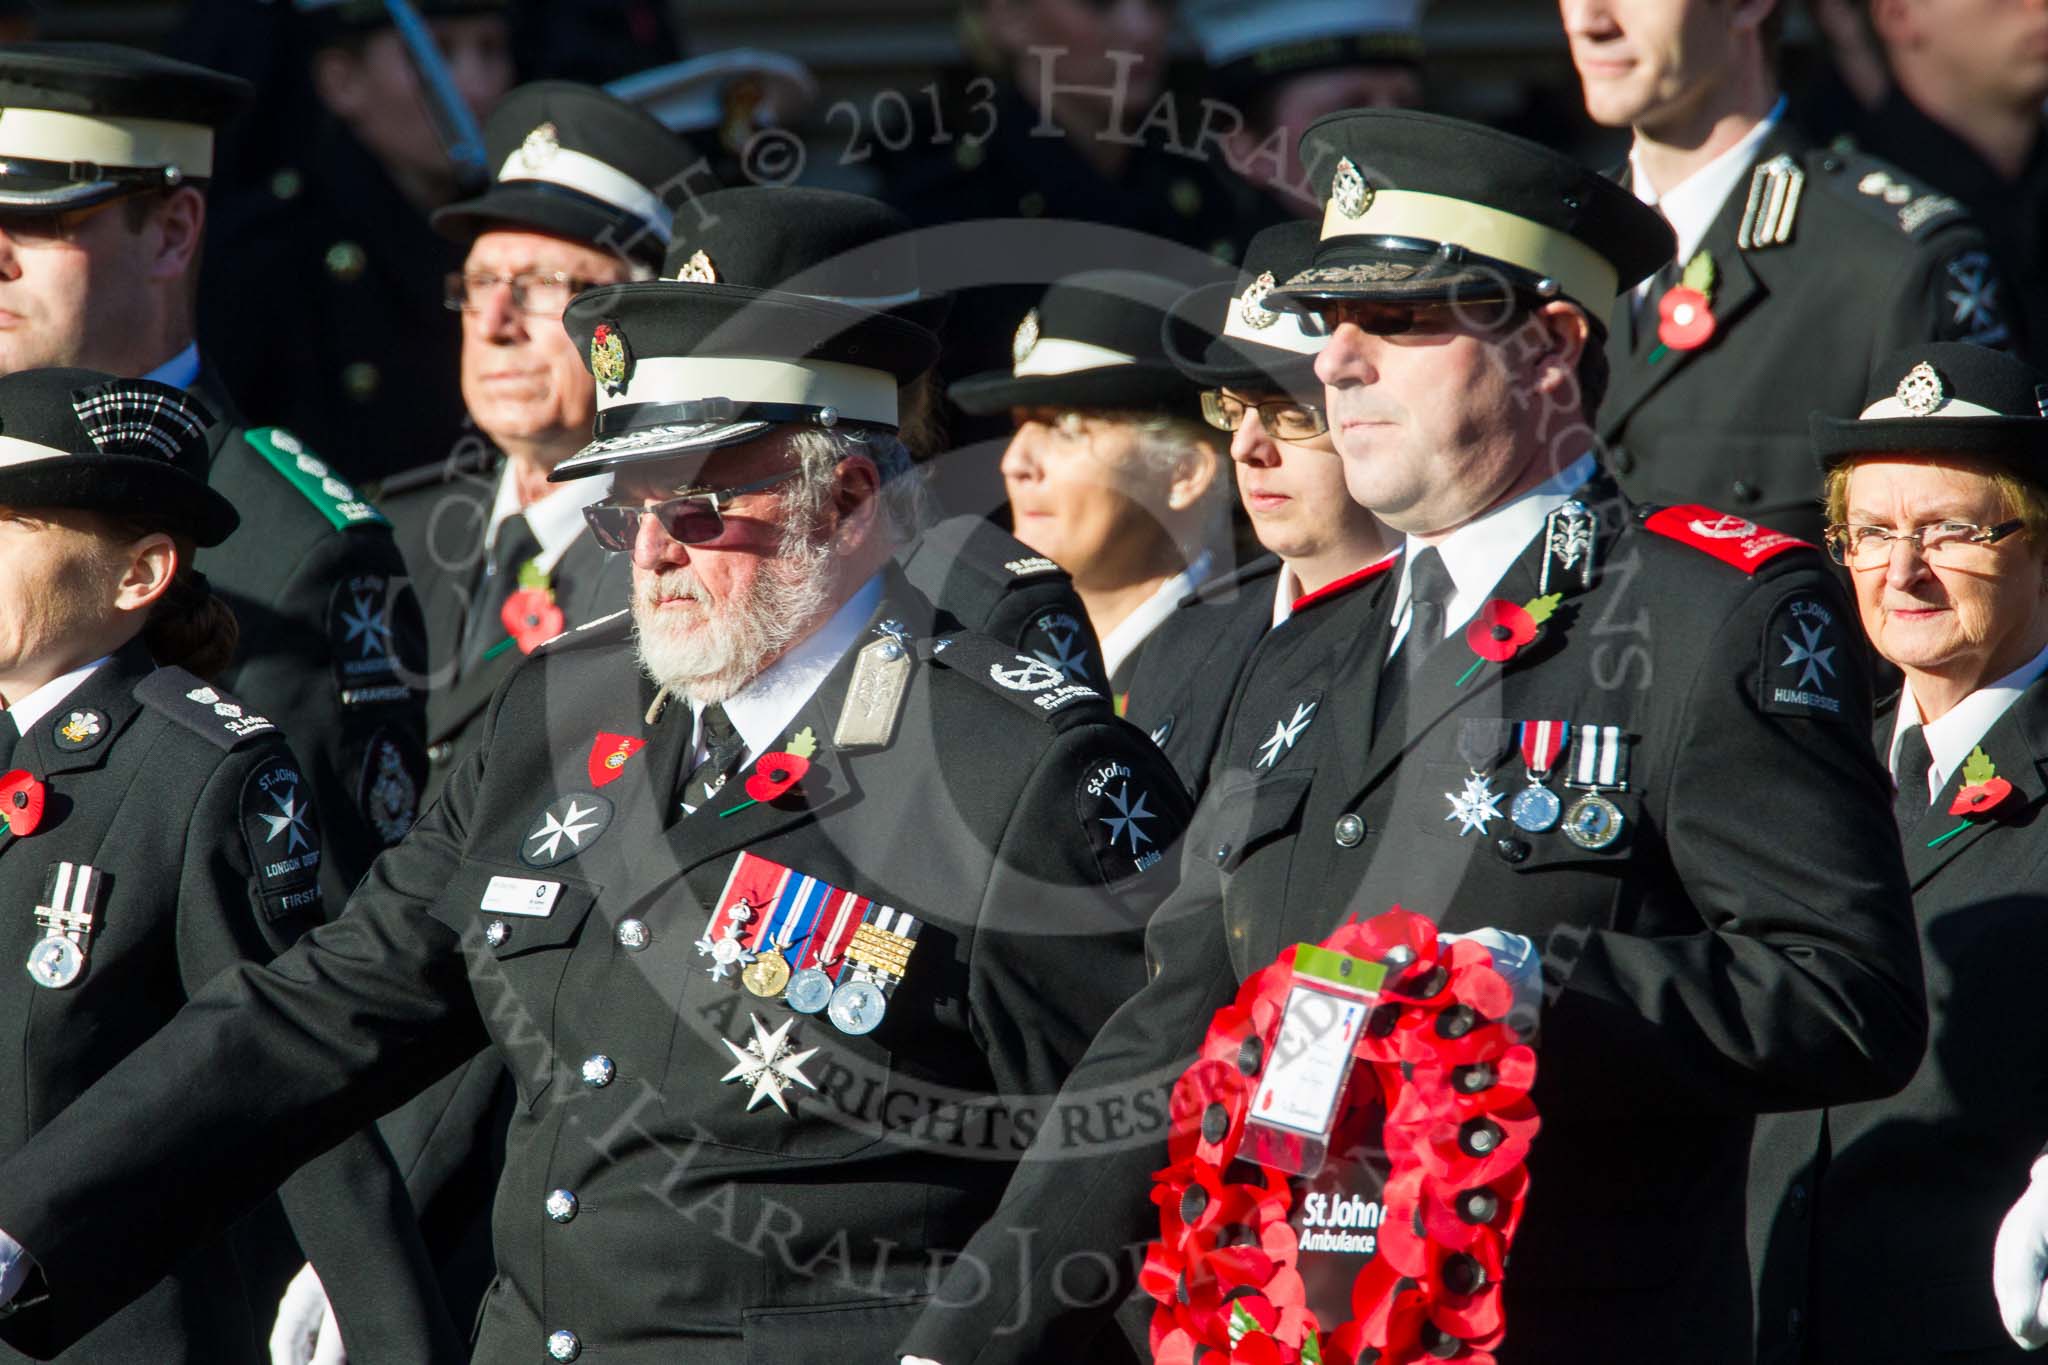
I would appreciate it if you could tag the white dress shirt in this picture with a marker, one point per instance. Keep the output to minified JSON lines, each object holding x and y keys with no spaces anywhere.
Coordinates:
{"x":1950,"y":739}
{"x":30,"y":709}
{"x":557,"y":519}
{"x":1130,"y":632}
{"x":1693,"y":203}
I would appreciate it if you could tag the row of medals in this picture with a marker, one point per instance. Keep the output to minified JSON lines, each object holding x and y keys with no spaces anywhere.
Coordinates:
{"x":1593,"y":822}
{"x":855,"y":1005}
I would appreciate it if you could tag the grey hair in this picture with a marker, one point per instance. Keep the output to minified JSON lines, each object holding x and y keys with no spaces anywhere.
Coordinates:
{"x":905,"y":501}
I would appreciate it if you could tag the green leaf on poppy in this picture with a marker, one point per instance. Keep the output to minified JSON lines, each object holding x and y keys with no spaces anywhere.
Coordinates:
{"x":532,"y":575}
{"x":1242,"y":1324}
{"x":1700,"y":273}
{"x":1541,"y":608}
{"x":1311,"y":1350}
{"x":1979,"y":769}
{"x":803,"y":743}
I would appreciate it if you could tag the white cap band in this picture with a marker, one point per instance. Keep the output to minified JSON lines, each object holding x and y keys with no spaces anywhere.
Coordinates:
{"x":1055,"y":355}
{"x":585,"y":174}
{"x":14,"y":451}
{"x":1287,"y":331}
{"x":1950,"y":407}
{"x":858,"y":393}
{"x":1582,"y":274}
{"x":52,"y":135}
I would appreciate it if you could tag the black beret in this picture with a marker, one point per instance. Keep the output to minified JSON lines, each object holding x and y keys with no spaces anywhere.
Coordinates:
{"x":1946,"y":398}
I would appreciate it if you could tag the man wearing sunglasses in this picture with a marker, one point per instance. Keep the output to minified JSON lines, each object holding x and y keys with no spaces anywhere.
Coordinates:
{"x":1290,"y":483}
{"x":1668,"y":829}
{"x":786,"y":913}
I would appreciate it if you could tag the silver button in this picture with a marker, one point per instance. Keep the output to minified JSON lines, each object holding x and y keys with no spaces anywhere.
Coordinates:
{"x":633,"y":935}
{"x":496,"y":932}
{"x":1350,"y":830}
{"x":563,"y":1346}
{"x":598,"y":1071}
{"x":561,"y":1206}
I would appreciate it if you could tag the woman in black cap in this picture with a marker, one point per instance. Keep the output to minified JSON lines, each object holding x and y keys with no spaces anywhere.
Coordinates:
{"x":156,"y":831}
{"x":1937,"y":503}
{"x":1111,"y":472}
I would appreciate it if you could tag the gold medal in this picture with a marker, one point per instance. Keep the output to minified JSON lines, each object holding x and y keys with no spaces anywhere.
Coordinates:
{"x":766,"y":975}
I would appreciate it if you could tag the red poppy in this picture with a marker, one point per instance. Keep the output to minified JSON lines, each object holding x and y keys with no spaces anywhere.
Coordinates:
{"x":775,"y":773}
{"x":1685,"y":320}
{"x":21,"y":802}
{"x":1980,"y":798}
{"x":1500,"y":630}
{"x":531,"y":618}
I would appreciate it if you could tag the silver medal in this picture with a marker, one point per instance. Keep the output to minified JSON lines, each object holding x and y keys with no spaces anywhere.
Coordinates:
{"x":857,"y":1007}
{"x":1535,"y":809}
{"x":55,"y":962}
{"x":1593,"y":822}
{"x":809,"y":991}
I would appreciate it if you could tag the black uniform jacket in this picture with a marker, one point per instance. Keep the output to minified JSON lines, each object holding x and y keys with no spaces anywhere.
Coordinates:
{"x":200,"y":842}
{"x":1002,"y":813}
{"x":331,"y":645}
{"x":1185,"y":674}
{"x":1744,"y":946}
{"x":986,"y":580}
{"x":1873,"y":1223}
{"x":1876,"y":261}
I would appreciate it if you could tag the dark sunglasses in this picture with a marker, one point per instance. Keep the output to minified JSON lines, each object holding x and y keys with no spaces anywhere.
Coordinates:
{"x":693,"y":519}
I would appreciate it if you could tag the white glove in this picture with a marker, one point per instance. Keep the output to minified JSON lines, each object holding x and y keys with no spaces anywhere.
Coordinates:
{"x":1518,"y":962}
{"x":305,"y":1333}
{"x":2019,"y":1263}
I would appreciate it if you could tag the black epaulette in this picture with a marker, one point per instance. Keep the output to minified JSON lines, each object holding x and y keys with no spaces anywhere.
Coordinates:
{"x":981,"y":564}
{"x":605,"y":630}
{"x":205,"y":710}
{"x":1885,"y":192}
{"x":1227,"y":585}
{"x":1029,"y":684}
{"x":467,"y":458}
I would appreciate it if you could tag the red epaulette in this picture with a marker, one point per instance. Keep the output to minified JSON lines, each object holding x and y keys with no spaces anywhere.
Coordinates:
{"x":1338,"y":587}
{"x":1730,"y":539}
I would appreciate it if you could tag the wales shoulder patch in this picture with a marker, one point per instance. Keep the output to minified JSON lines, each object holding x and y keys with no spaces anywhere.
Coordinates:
{"x":1123,"y":818}
{"x":335,"y":497}
{"x":1806,"y":646}
{"x":284,"y":842}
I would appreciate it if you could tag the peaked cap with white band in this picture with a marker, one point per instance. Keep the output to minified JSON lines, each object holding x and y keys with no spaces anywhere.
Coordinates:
{"x":129,"y":447}
{"x":82,"y":123}
{"x":575,"y":162}
{"x":777,"y":306}
{"x":1095,"y":340}
{"x":1422,"y":207}
{"x":1946,"y":398}
{"x":1251,"y":347}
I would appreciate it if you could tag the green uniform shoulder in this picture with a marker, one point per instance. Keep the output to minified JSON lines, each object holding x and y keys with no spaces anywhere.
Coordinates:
{"x":333,"y":497}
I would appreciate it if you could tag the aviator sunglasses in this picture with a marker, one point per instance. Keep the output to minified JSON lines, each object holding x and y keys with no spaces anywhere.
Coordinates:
{"x":693,"y":519}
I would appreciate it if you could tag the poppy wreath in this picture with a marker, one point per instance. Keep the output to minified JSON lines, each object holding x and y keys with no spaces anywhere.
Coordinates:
{"x":1452,"y":1080}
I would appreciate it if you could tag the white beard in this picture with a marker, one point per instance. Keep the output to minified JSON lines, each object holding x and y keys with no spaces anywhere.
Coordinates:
{"x":710,"y":658}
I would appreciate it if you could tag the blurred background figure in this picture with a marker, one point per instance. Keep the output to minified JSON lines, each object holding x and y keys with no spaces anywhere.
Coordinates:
{"x":1937,"y":501}
{"x":1275,"y":67}
{"x":1111,"y":472}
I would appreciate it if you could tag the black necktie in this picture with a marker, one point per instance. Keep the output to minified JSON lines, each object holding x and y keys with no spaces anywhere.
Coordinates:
{"x":1430,"y":590}
{"x":8,"y":735}
{"x":723,"y":746}
{"x":1914,"y":761}
{"x":514,"y":546}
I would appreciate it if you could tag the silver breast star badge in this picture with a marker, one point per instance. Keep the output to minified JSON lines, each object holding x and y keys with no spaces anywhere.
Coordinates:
{"x":769,"y":1064}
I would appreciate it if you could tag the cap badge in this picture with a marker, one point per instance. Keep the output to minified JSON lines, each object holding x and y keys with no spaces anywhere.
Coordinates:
{"x":1252,"y":304}
{"x":540,"y":147}
{"x":1921,"y":392}
{"x":698,"y":270}
{"x":1348,"y":190}
{"x":611,"y":364}
{"x":1026,"y":339}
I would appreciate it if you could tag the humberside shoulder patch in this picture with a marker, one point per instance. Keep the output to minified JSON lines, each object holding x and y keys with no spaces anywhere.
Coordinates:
{"x":1728,"y":538}
{"x":1805,"y":645}
{"x":335,"y":497}
{"x":284,"y":841}
{"x":1024,"y":681}
{"x":206,"y":711}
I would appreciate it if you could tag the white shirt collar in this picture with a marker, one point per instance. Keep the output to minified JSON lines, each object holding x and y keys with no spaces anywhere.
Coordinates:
{"x":762,"y":710}
{"x":1950,"y":739}
{"x":1478,"y":553}
{"x":557,"y":519}
{"x":1286,"y":587}
{"x":1130,"y":632}
{"x":181,"y":371}
{"x":1693,"y":203}
{"x":47,"y":698}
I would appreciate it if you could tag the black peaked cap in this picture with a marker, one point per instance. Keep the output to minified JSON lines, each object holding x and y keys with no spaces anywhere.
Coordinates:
{"x":128,"y":447}
{"x":1236,"y":319}
{"x":1946,"y":398}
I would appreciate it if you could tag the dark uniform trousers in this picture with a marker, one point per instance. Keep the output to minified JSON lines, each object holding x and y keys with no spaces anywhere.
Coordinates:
{"x":1872,"y":1224}
{"x":331,"y":647}
{"x":168,"y":806}
{"x":1744,"y":946}
{"x":1001,"y":813}
{"x":1875,"y":262}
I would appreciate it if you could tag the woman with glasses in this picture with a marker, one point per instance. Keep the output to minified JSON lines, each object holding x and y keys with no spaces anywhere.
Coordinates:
{"x":1290,"y":483}
{"x":1877,"y":1220}
{"x":1110,"y":472}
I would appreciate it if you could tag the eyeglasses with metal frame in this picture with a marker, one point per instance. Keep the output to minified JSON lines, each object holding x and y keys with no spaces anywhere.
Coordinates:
{"x":692,"y":519}
{"x":544,"y":293}
{"x":1287,"y":418}
{"x":1943,"y":544}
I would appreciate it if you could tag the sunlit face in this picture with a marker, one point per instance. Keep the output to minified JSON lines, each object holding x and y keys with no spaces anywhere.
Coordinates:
{"x":1425,"y":420}
{"x":1970,"y":622}
{"x":67,"y":284}
{"x":522,"y":377}
{"x":1096,"y":41}
{"x":1643,"y":62}
{"x":711,"y":617}
{"x":1083,"y":494}
{"x":1293,"y":491}
{"x":62,"y":577}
